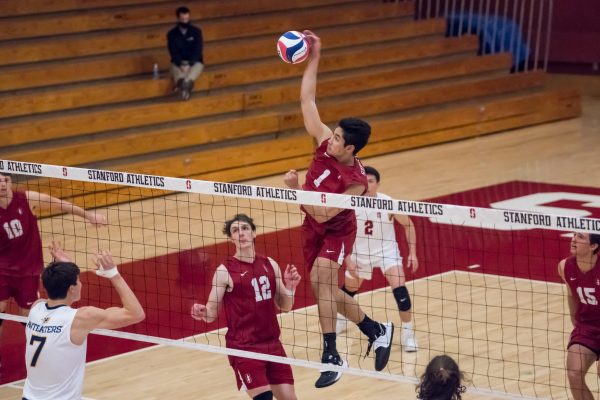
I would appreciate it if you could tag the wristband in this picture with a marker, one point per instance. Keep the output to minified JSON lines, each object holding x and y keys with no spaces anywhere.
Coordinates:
{"x":110,"y":273}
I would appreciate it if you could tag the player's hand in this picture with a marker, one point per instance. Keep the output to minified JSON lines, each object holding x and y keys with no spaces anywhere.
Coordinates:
{"x":104,"y":261}
{"x":315,"y":43}
{"x":291,"y":179}
{"x":291,"y":277}
{"x":199,"y":312}
{"x":95,"y":218}
{"x":351,"y":268}
{"x":412,"y":262}
{"x":57,"y":252}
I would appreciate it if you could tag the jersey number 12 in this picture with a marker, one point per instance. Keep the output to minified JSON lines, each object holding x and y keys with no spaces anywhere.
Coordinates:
{"x":262,"y":288}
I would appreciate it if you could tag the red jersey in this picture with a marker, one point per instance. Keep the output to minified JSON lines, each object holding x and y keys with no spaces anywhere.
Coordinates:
{"x":585,"y":288}
{"x":327,"y":174}
{"x":20,"y":242}
{"x":250,"y":307}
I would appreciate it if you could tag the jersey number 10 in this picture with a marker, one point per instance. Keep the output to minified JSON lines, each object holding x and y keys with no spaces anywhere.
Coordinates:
{"x":262,"y":288}
{"x":13,"y":229}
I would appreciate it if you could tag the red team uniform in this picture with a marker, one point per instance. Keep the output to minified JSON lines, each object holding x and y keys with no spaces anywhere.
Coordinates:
{"x":252,"y":323}
{"x":21,"y":259}
{"x":585,"y":288}
{"x":326,"y":174}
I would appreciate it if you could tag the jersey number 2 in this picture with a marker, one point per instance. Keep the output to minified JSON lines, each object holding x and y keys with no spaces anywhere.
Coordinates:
{"x":36,"y":355}
{"x":586,"y":295}
{"x":13,"y":229}
{"x":262,"y":288}
{"x":368,"y":227}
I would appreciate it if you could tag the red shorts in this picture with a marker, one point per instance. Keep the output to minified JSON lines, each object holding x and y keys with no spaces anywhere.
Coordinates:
{"x":24,"y":289}
{"x":252,"y":374}
{"x":322,"y":240}
{"x":586,"y":337}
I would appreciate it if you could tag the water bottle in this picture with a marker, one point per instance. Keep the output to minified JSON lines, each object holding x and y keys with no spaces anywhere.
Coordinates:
{"x":155,"y":72}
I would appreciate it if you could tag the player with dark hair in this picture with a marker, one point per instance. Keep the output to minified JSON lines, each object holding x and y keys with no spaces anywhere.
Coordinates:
{"x":376,"y":247}
{"x":57,"y":333}
{"x":250,"y":288}
{"x":442,"y":380}
{"x":334,"y":169}
{"x":581,"y":273}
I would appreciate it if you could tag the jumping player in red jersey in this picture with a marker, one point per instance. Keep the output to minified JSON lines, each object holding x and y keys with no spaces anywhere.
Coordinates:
{"x":21,"y":260}
{"x":334,"y":169}
{"x":581,"y":273}
{"x":249,"y":286}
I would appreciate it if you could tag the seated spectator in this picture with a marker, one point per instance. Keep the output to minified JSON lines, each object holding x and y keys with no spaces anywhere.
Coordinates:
{"x":185,"y":47}
{"x":442,"y":380}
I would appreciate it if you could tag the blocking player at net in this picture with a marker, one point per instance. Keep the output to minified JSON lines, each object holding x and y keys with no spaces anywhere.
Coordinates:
{"x":57,"y":333}
{"x":581,"y":273}
{"x":251,"y":288}
{"x":21,"y":259}
{"x":376,"y":247}
{"x":334,"y":169}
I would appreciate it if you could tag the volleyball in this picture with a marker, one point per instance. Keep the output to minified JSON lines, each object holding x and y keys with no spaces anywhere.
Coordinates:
{"x":293,"y":47}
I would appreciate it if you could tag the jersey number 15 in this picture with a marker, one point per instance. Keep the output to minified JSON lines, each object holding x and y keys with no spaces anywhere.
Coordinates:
{"x":586,"y":295}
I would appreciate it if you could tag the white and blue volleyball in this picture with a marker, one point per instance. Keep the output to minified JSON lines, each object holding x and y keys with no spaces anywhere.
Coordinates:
{"x":292,"y":47}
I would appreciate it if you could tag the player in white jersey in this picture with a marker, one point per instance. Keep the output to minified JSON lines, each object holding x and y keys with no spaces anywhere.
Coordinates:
{"x":376,"y":247}
{"x":57,"y":333}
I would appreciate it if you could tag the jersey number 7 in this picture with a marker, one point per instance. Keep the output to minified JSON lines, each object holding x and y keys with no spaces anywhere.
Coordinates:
{"x":42,"y":341}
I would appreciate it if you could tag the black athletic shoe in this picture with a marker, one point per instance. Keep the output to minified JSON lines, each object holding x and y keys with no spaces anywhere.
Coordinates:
{"x":328,"y":377}
{"x":382,"y":345}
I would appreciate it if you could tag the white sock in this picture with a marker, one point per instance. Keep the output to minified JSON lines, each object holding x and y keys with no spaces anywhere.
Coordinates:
{"x":407,"y":326}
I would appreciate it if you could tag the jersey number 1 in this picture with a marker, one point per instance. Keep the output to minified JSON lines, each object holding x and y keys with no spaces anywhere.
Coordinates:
{"x":262,"y":288}
{"x":36,"y":355}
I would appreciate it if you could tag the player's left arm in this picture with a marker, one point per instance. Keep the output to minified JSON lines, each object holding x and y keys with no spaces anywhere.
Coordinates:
{"x":42,"y":201}
{"x":411,"y":238}
{"x":286,"y":285}
{"x":324,"y":214}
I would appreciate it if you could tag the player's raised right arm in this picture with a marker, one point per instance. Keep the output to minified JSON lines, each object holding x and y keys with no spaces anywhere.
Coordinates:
{"x":90,"y":318}
{"x":308,"y":91}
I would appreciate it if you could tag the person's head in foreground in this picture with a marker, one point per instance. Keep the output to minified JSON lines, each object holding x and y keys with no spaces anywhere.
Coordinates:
{"x":442,"y":380}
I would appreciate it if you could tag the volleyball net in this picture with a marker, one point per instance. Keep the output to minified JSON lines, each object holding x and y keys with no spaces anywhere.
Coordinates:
{"x":487,"y":291}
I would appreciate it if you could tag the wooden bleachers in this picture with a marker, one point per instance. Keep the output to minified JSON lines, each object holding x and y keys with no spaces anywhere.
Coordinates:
{"x":83,"y":93}
{"x":115,"y":91}
{"x":265,"y":98}
{"x":116,"y":14}
{"x":45,"y":128}
{"x":82,"y":45}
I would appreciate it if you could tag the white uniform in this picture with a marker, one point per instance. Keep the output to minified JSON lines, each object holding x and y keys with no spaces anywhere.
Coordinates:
{"x":375,"y":245}
{"x":55,"y":366}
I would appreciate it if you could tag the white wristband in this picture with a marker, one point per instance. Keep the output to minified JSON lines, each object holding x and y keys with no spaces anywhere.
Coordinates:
{"x":110,"y":273}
